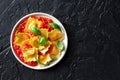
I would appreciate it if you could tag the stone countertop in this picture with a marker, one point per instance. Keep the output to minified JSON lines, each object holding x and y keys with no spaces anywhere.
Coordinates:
{"x":93,"y":28}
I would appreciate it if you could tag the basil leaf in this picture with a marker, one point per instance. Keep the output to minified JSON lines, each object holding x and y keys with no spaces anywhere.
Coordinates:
{"x":60,"y":45}
{"x":54,"y":25}
{"x":37,"y":60}
{"x":53,"y":59}
{"x":34,"y":29}
{"x":43,"y":40}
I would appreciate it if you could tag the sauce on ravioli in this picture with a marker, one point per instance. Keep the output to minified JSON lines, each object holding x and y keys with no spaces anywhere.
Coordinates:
{"x":36,"y":41}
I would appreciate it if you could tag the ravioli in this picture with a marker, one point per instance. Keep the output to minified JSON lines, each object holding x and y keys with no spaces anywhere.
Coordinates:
{"x":20,"y":37}
{"x":29,"y":54}
{"x":55,"y":35}
{"x":39,"y":43}
{"x":45,"y":58}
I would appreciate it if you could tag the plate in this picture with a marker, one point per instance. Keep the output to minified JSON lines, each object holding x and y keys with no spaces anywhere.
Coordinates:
{"x":65,"y":41}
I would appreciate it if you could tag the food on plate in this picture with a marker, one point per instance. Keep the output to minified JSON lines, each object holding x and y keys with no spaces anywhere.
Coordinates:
{"x":38,"y":40}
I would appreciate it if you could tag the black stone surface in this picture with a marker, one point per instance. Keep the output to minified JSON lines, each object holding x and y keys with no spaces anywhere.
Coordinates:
{"x":93,"y":28}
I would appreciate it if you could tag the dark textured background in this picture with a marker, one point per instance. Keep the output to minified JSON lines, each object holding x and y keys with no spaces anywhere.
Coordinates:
{"x":93,"y":28}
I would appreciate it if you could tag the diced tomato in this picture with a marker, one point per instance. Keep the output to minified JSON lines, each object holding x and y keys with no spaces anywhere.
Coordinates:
{"x":14,"y":38}
{"x":21,"y":26}
{"x":42,"y":25}
{"x":45,"y":20}
{"x":18,"y":52}
{"x":35,"y":17}
{"x":30,"y":34}
{"x":39,"y":53}
{"x":23,"y":23}
{"x":49,"y":20}
{"x":49,"y":50}
{"x":32,"y":63}
{"x":21,"y":57}
{"x":47,"y":26}
{"x":27,"y":46}
{"x":16,"y":47}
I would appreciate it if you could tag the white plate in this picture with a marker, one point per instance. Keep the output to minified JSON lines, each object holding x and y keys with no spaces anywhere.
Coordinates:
{"x":65,"y":41}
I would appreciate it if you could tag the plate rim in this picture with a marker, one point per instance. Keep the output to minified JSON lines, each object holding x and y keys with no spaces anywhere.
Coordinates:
{"x":65,"y":40}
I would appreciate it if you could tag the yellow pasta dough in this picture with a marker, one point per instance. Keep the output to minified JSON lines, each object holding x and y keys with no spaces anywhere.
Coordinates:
{"x":29,"y":54}
{"x":44,"y":32}
{"x":21,"y":37}
{"x":45,"y":58}
{"x":32,"y":21}
{"x":34,"y":51}
{"x":55,"y":35}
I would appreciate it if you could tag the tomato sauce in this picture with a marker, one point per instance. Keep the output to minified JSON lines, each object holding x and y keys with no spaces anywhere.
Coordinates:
{"x":20,"y":28}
